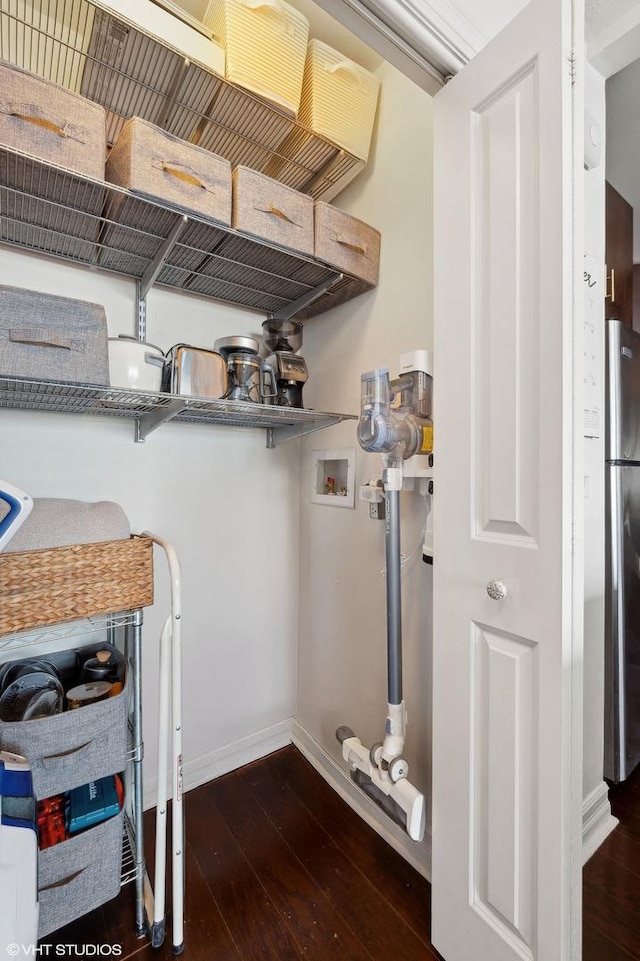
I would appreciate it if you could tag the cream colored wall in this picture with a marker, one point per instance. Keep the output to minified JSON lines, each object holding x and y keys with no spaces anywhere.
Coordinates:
{"x":229,"y":505}
{"x":342,"y":632}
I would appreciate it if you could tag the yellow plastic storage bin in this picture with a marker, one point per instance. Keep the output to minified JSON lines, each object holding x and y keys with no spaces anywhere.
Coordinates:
{"x":339,"y":99}
{"x":265,"y":43}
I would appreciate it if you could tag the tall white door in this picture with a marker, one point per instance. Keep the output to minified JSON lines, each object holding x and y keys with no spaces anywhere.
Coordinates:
{"x":507,"y":620}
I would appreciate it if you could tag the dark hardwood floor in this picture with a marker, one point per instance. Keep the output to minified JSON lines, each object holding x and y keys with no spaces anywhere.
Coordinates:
{"x":279,"y":868}
{"x":611,"y":885}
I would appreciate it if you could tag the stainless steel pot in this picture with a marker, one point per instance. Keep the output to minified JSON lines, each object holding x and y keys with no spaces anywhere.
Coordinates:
{"x":134,"y":364}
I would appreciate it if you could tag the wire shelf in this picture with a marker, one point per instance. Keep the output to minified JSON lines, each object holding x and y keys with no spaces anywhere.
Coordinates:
{"x":48,"y":209}
{"x":129,"y":870}
{"x":113,"y":61}
{"x":151,"y":408}
{"x":56,"y":632}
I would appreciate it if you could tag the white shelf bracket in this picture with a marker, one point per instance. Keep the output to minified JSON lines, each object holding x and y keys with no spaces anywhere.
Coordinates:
{"x":291,"y":309}
{"x":279,"y":435}
{"x":172,"y":95}
{"x":155,"y":418}
{"x":150,"y":275}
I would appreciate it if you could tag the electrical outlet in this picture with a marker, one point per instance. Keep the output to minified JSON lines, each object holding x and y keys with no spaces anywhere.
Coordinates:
{"x":376,"y":511}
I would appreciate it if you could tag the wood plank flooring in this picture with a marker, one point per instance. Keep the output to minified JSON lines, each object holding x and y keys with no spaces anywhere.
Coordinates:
{"x":279,"y":868}
{"x":611,"y":883}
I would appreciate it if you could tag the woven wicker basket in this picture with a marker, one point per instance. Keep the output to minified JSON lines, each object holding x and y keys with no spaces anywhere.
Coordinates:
{"x":38,"y":588}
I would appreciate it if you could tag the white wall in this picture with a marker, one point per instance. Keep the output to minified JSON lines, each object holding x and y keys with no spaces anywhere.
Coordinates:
{"x":228,"y":504}
{"x":342,"y":638}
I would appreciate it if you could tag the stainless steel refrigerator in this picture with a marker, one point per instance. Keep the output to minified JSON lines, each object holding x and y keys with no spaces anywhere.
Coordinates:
{"x":622,"y":540}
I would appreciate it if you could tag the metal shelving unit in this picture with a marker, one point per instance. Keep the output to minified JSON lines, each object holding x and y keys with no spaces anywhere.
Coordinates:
{"x":109,"y":59}
{"x":47,"y":209}
{"x":47,"y":639}
{"x":150,"y":410}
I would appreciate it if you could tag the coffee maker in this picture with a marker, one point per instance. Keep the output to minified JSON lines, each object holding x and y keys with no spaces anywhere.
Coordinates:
{"x":250,"y":379}
{"x":283,"y":338}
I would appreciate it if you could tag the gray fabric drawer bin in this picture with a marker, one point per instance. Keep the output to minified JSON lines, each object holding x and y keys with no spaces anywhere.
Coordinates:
{"x":45,"y":337}
{"x":72,"y":748}
{"x":80,"y":874}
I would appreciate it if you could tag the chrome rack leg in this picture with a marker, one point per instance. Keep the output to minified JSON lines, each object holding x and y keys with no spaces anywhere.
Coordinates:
{"x":135,"y":653}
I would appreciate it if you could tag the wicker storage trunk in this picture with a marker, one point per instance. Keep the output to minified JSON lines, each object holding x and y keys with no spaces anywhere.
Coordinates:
{"x":339,"y":99}
{"x":269,"y":210}
{"x":66,"y":583}
{"x":347,"y":243}
{"x":46,"y":337}
{"x":265,"y":45}
{"x":47,"y":122}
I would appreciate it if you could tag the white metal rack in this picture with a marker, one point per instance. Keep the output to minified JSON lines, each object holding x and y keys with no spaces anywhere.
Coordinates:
{"x":46,"y":209}
{"x":150,"y":410}
{"x":18,"y":645}
{"x":84,"y":46}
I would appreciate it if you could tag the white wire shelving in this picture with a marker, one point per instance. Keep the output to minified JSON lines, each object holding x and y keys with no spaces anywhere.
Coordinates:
{"x":104,"y":56}
{"x":149,"y":410}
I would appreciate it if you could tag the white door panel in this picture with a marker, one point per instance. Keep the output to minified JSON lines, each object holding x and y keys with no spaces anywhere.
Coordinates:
{"x":505,"y":880}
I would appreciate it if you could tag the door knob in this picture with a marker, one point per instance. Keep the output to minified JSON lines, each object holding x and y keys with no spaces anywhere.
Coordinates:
{"x":497,"y":590}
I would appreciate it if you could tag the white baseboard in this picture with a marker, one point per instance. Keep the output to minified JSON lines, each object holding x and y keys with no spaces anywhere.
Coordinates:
{"x":224,"y":759}
{"x":597,"y":820}
{"x":418,"y":855}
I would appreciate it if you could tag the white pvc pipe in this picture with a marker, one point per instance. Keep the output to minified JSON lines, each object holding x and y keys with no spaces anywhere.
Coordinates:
{"x":177,"y":823}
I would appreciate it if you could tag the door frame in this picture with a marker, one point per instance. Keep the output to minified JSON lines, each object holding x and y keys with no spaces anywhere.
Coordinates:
{"x":399,"y":39}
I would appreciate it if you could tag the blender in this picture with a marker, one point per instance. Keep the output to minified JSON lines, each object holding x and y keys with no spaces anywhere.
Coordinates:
{"x":250,"y":379}
{"x":283,"y":338}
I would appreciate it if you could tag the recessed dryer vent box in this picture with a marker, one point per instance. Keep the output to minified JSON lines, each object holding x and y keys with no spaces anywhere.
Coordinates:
{"x":332,"y":477}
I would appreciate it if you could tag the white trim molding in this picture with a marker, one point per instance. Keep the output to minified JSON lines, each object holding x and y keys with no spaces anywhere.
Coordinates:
{"x":418,"y":855}
{"x":597,"y":820}
{"x":225,"y":759}
{"x":390,"y":29}
{"x":434,"y":29}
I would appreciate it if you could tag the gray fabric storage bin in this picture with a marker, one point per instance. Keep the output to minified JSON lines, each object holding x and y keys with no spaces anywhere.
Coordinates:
{"x":155,"y":164}
{"x":347,"y":243}
{"x":272,"y":211}
{"x":51,"y":124}
{"x":80,"y":874}
{"x":46,"y":337}
{"x":75,"y":747}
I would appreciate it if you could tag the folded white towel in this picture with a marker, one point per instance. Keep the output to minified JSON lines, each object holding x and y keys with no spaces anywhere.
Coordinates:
{"x":55,"y":522}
